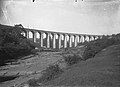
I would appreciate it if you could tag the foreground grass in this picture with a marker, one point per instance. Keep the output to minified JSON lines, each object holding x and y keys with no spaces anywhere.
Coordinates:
{"x":101,"y":71}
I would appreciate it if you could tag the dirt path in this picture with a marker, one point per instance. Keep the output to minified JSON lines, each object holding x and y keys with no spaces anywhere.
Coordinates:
{"x":101,"y":71}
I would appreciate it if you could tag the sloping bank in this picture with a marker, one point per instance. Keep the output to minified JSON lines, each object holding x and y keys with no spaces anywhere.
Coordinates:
{"x":101,"y":71}
{"x":37,"y":64}
{"x":70,"y":56}
{"x":88,"y":68}
{"x":13,"y":45}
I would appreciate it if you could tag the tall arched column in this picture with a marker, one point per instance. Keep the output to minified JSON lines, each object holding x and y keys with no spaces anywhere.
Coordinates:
{"x":101,"y":37}
{"x":84,"y":38}
{"x":97,"y":37}
{"x":54,"y":40}
{"x":59,"y":39}
{"x":89,"y":38}
{"x":75,"y":40}
{"x":79,"y":39}
{"x":41,"y":39}
{"x":48,"y":40}
{"x":34,"y":36}
{"x":65,"y":40}
{"x":94,"y":37}
{"x":27,"y":34}
{"x":70,"y":40}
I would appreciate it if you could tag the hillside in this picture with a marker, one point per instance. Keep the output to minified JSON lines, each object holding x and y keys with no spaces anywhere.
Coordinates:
{"x":13,"y":45}
{"x":94,"y":63}
{"x":102,"y":71}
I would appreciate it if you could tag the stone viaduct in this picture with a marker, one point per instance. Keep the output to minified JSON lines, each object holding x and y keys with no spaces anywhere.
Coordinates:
{"x":63,"y":39}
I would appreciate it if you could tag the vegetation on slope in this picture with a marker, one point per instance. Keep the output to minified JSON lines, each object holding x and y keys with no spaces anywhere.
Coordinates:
{"x":90,"y":49}
{"x":13,"y":44}
{"x":71,"y":56}
{"x":101,"y":71}
{"x":51,"y":72}
{"x":93,"y":47}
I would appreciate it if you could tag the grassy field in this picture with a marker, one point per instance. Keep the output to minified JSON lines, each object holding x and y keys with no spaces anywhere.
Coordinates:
{"x":101,"y":71}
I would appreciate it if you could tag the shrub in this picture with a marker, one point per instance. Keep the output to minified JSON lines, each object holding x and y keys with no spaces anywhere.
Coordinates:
{"x":72,"y":59}
{"x":90,"y":51}
{"x":50,"y":72}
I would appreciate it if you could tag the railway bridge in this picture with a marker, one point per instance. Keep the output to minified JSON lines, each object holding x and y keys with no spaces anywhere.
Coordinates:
{"x":57,"y":39}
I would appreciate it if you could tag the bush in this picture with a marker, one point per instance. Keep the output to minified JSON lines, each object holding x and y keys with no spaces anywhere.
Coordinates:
{"x":50,"y":72}
{"x":90,"y":51}
{"x":72,"y":59}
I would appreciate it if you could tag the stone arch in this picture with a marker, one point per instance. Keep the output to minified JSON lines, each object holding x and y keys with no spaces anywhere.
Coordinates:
{"x":23,"y":33}
{"x":82,"y":38}
{"x":69,"y":40}
{"x":65,"y":40}
{"x":62,"y":40}
{"x":91,"y":38}
{"x":54,"y":40}
{"x":41,"y":38}
{"x":37,"y":37}
{"x":75,"y":40}
{"x":30,"y":35}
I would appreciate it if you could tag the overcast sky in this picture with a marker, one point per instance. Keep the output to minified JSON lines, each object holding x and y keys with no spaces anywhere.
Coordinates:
{"x":87,"y":16}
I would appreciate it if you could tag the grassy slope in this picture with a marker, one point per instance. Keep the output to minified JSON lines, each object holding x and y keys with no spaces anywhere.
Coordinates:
{"x":103,"y":70}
